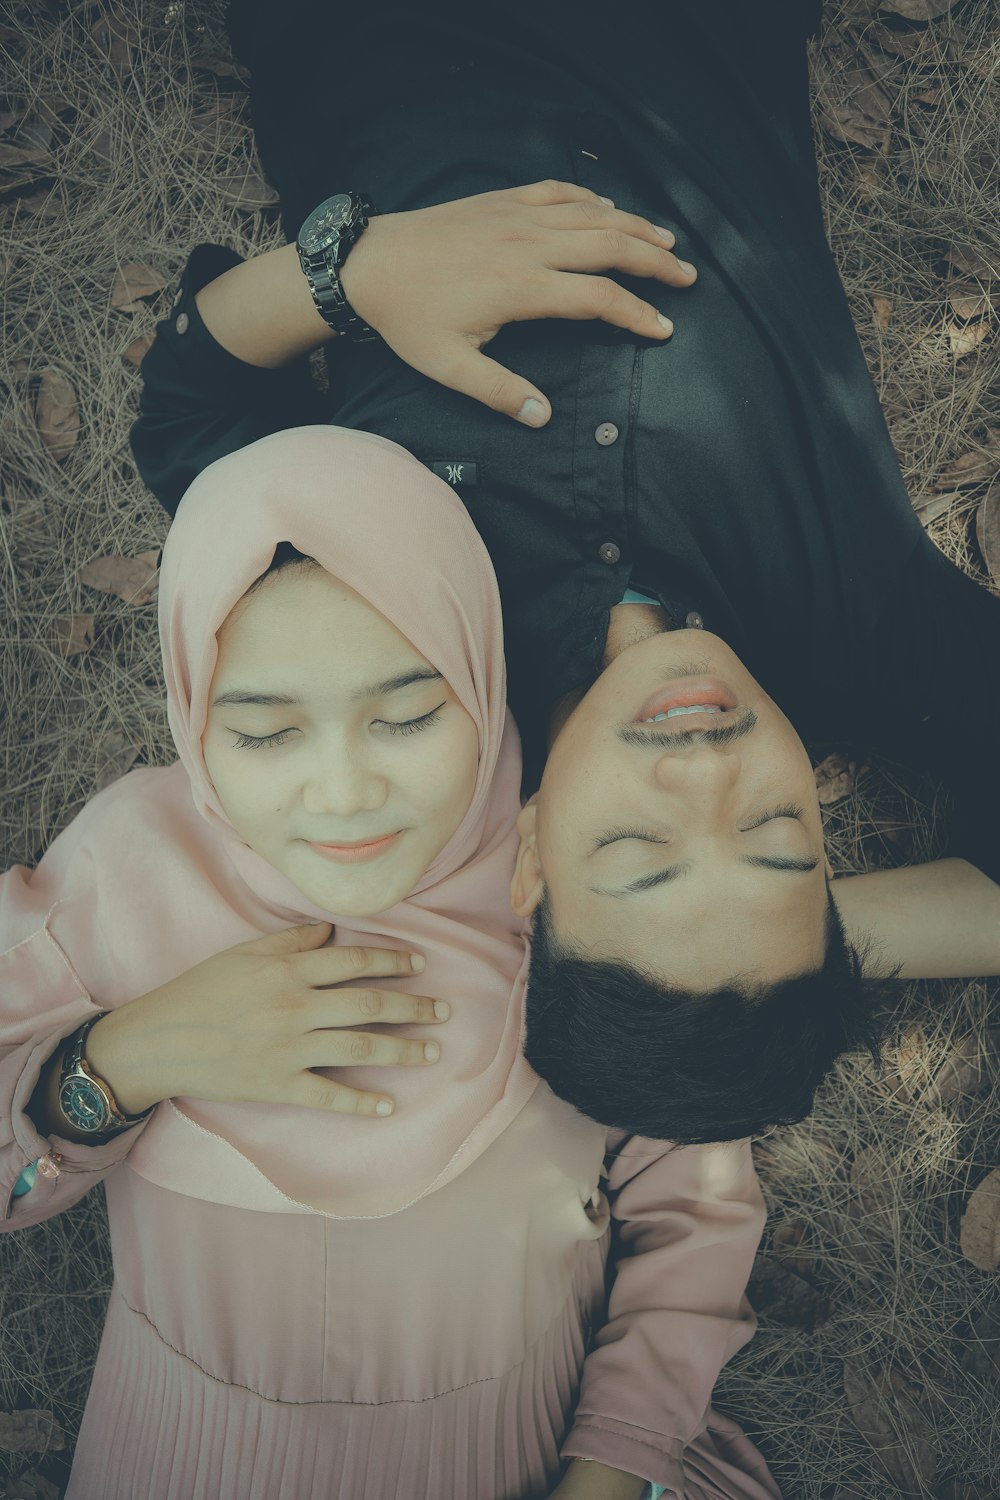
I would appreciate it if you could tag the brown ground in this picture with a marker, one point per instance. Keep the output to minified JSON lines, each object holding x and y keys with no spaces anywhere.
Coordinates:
{"x":876,"y":1370}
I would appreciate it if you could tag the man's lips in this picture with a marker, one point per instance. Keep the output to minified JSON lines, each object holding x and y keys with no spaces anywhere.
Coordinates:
{"x":690,"y":692}
{"x":355,"y":854}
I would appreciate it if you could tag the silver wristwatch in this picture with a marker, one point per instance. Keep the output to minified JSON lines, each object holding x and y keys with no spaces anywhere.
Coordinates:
{"x":323,"y":244}
{"x":84,"y":1098}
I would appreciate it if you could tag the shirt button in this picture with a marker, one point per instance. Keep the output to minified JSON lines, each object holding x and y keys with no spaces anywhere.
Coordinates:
{"x":182,"y":323}
{"x":606,"y":434}
{"x":693,"y":620}
{"x":609,"y":553}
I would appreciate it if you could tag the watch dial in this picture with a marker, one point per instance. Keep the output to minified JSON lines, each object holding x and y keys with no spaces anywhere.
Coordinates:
{"x":325,"y":223}
{"x":82,"y":1104}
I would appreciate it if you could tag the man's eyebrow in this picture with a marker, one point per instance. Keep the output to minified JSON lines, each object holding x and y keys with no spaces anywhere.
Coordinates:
{"x":677,"y":872}
{"x":645,"y":882}
{"x":775,"y":862}
{"x":370,"y":690}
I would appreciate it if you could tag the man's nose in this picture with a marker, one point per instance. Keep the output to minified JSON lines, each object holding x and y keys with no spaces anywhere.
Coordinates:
{"x":343,"y":786}
{"x":700,"y":772}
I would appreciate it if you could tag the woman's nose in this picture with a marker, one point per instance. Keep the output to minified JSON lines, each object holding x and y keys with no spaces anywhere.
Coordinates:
{"x":344,"y":786}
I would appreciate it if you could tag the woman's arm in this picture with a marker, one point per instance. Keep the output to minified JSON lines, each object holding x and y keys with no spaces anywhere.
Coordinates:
{"x":937,"y":921}
{"x":689,"y":1220}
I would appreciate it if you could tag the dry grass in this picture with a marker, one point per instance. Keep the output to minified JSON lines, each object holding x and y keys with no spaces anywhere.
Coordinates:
{"x":137,"y":150}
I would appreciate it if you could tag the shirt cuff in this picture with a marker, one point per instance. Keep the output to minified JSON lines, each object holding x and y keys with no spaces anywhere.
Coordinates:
{"x":634,"y":1450}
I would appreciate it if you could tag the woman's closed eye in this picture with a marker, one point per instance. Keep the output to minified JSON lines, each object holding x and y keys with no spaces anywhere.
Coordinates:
{"x":411,"y":726}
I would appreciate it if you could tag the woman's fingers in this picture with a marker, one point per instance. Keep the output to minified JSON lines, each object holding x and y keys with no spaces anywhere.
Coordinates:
{"x":324,"y":1009}
{"x":343,"y":965}
{"x":316,"y":1092}
{"x":354,"y":1049}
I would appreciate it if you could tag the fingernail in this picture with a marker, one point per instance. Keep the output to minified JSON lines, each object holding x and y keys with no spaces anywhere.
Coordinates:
{"x":608,"y":201}
{"x":432,"y":1051}
{"x":417,"y":963}
{"x":532,"y":413}
{"x":384,"y":1107}
{"x":442,"y":1009}
{"x":664,"y":322}
{"x":686,"y":267}
{"x":665,"y":234}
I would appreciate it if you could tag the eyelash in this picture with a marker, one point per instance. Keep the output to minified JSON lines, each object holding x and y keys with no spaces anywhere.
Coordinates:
{"x":406,"y":726}
{"x":790,"y":810}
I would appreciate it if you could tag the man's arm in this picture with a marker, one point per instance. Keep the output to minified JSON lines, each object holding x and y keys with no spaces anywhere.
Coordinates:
{"x":438,"y":283}
{"x":937,"y":921}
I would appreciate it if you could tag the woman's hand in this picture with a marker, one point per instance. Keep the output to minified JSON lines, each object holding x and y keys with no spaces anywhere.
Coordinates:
{"x":252,"y":1023}
{"x":438,"y":283}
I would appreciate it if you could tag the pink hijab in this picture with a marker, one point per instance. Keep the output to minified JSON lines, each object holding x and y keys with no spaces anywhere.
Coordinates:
{"x":369,"y":512}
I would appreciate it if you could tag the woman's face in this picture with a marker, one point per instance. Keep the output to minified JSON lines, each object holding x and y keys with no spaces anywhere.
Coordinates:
{"x":338,"y":752}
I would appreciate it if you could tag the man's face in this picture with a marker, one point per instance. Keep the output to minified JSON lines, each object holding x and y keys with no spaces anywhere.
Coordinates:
{"x":691,"y":845}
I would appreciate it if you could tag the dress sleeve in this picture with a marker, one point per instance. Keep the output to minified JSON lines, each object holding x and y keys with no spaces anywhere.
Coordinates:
{"x":42,"y":1001}
{"x":199,"y":402}
{"x":686,"y":1225}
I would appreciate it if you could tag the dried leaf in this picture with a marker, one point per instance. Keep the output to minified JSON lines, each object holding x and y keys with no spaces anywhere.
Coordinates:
{"x":929,"y":507}
{"x":856,"y":106}
{"x":977,"y":261}
{"x":116,"y":36}
{"x":134,"y":281}
{"x":886,"y":1411}
{"x":964,"y":338}
{"x":133,"y":579}
{"x":30,"y":1486}
{"x":988,"y":529}
{"x":933,"y":1074}
{"x":30,"y":1431}
{"x":980,"y":463}
{"x":836,"y":777}
{"x":790,"y":1247}
{"x":45,"y":203}
{"x":246,"y":190}
{"x":12,"y":155}
{"x":136,"y":352}
{"x":882,"y":311}
{"x":784,"y":1297}
{"x":980,"y":1227}
{"x":115,"y":756}
{"x":76,"y":633}
{"x":918,"y":10}
{"x":56,"y":414}
{"x":967,"y":305}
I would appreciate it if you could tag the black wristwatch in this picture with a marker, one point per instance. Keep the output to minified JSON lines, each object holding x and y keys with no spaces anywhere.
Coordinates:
{"x":86,"y":1100}
{"x":323,"y":244}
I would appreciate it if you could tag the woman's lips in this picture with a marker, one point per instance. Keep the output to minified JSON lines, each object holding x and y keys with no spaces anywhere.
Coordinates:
{"x":355,"y":854}
{"x":689,"y":692}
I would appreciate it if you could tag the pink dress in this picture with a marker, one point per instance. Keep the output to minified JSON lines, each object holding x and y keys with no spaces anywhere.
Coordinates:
{"x":437,"y":1354}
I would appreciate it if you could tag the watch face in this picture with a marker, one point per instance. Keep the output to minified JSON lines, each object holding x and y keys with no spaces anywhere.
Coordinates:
{"x":325,"y":223}
{"x":83,"y":1104}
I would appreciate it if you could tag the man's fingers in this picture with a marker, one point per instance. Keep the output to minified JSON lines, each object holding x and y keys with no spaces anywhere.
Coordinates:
{"x":609,"y":250}
{"x":553,"y":190}
{"x":598,"y":297}
{"x":589,"y":216}
{"x":482,"y":378}
{"x":343,"y":965}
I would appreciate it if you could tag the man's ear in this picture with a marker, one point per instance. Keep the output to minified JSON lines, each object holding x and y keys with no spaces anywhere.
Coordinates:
{"x":527,"y":886}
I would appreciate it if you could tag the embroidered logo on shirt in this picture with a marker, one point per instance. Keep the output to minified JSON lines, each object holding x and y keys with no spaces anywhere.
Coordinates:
{"x":457,"y":471}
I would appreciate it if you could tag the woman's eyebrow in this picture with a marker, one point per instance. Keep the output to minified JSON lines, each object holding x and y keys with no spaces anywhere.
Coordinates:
{"x":370,"y":690}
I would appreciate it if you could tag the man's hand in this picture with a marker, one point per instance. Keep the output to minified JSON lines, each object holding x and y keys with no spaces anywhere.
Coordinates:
{"x":438,"y":283}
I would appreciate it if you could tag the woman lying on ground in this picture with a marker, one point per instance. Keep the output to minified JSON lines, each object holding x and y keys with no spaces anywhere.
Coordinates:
{"x":310,"y":1300}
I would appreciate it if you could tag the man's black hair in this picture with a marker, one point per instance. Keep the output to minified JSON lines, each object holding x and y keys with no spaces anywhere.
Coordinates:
{"x":678,"y":1065}
{"x":285,"y":556}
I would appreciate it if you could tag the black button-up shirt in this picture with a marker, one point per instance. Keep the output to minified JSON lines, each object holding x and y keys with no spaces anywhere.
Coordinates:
{"x":740,"y":472}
